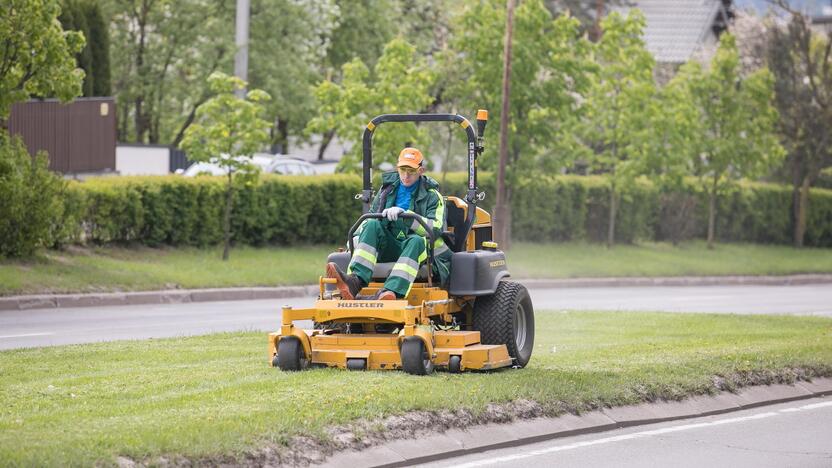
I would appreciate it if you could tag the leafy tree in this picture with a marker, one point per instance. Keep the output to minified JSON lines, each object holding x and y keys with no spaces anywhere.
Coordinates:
{"x":550,"y":74}
{"x":99,"y":43}
{"x":400,"y":83}
{"x":166,"y":52}
{"x":616,"y":126}
{"x":227,"y":132}
{"x":85,"y":16}
{"x":72,"y":18}
{"x":38,"y":55}
{"x":736,"y":122}
{"x":289,"y":38}
{"x":672,"y":120}
{"x":802,"y":65}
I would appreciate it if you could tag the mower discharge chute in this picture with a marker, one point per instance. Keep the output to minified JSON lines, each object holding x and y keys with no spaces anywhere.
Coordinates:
{"x":479,"y":321}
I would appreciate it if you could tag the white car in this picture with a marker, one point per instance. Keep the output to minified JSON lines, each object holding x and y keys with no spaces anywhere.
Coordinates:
{"x":268,"y":163}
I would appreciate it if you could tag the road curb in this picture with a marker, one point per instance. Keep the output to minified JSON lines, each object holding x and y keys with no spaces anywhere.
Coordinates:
{"x":457,"y":442}
{"x":178,"y":296}
{"x":174,"y":296}
{"x":789,"y":280}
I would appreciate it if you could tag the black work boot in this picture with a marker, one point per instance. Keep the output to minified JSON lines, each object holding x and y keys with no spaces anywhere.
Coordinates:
{"x":348,"y":285}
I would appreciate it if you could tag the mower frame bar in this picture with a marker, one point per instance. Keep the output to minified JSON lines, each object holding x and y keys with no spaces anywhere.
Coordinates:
{"x":474,"y":149}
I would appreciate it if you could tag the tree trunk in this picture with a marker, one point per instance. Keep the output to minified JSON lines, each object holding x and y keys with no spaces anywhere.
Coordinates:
{"x":803,"y":205}
{"x":326,"y":139}
{"x":613,"y":211}
{"x":226,"y":221}
{"x":796,"y":181}
{"x":711,"y":217}
{"x":501,"y":209}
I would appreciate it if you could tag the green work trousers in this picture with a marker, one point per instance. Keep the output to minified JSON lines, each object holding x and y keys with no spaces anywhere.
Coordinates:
{"x":384,"y":241}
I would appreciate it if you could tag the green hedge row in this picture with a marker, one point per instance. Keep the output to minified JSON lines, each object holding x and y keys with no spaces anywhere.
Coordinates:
{"x":178,"y":211}
{"x":282,"y":210}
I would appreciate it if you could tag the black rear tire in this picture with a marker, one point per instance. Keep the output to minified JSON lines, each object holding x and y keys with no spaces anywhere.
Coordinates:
{"x":290,"y":355}
{"x":507,"y":317}
{"x":415,"y":359}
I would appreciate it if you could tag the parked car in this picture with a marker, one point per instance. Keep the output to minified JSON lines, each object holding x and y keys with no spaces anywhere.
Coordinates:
{"x":290,"y":166}
{"x":268,"y":163}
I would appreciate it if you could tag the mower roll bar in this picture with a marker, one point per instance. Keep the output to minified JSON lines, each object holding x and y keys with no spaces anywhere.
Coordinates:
{"x":475,"y":148}
{"x":419,"y":219}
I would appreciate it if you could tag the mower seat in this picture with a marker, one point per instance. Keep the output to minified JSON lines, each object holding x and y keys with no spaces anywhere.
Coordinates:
{"x":454,"y":220}
{"x":380,"y":272}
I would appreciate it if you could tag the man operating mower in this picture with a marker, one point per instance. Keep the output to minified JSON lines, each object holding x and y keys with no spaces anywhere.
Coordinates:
{"x":395,"y":239}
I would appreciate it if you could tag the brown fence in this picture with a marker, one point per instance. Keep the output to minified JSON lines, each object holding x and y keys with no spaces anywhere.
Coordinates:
{"x":79,"y":137}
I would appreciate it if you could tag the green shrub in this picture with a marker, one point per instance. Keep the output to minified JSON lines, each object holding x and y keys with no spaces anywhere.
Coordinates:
{"x":29,"y":199}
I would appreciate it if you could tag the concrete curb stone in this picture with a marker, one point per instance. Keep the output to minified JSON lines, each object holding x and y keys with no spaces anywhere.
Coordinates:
{"x":456,"y":442}
{"x":788,"y":280}
{"x":178,"y":296}
{"x":174,"y":296}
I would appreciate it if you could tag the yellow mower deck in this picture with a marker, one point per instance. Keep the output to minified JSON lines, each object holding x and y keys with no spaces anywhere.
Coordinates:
{"x":382,"y":350}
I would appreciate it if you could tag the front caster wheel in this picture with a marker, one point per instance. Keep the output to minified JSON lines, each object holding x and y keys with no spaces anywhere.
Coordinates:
{"x":415,"y":359}
{"x":455,"y":364}
{"x":290,"y":355}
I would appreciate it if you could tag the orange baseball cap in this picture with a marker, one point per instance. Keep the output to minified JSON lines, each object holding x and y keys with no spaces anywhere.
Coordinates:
{"x":410,"y":157}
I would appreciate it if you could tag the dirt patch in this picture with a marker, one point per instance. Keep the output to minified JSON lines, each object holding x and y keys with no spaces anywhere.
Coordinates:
{"x":358,"y":435}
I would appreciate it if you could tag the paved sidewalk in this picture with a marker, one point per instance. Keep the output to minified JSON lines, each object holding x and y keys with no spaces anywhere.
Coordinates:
{"x":178,"y":296}
{"x":456,"y":442}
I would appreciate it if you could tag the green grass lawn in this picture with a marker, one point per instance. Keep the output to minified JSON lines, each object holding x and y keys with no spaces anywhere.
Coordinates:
{"x":215,"y":395}
{"x":123,"y":269}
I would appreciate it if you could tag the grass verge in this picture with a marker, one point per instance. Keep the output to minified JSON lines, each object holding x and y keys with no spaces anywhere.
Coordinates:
{"x":122,"y":269}
{"x":214,"y":398}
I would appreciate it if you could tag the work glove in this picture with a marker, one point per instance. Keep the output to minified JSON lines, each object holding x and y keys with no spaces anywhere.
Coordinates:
{"x":392,"y":213}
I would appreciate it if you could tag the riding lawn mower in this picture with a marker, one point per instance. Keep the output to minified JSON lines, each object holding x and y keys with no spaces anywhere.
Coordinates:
{"x":479,"y":320}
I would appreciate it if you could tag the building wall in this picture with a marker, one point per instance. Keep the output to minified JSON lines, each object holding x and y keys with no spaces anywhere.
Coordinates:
{"x":142,"y":160}
{"x":80,"y":137}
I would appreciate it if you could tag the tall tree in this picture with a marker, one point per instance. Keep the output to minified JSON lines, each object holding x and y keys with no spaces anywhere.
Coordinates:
{"x":736,"y":120}
{"x":72,"y":18}
{"x":616,"y":127}
{"x":99,"y":42}
{"x":38,"y":57}
{"x":227,"y":131}
{"x":400,"y":83}
{"x":289,"y":38}
{"x":166,"y":51}
{"x":802,"y":65}
{"x":549,"y":78}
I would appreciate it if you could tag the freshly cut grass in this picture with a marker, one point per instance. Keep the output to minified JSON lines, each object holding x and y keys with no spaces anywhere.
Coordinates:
{"x":133,"y":269}
{"x":215,"y":395}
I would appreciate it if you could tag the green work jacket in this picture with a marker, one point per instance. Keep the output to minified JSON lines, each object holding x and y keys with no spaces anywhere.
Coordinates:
{"x":426,"y":202}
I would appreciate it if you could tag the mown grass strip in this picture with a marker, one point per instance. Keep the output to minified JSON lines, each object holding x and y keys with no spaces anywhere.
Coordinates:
{"x":215,"y":395}
{"x":122,"y":269}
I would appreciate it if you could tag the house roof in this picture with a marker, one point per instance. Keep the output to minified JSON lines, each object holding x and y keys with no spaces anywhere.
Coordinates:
{"x":677,"y":28}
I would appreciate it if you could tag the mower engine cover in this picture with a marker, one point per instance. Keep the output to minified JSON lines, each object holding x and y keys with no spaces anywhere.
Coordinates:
{"x":477,"y":273}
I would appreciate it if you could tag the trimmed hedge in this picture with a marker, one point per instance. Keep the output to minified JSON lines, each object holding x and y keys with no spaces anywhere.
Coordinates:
{"x":282,"y":210}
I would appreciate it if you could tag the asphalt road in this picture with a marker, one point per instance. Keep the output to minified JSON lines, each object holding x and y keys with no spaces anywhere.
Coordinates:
{"x":48,"y":327}
{"x":795,"y":434}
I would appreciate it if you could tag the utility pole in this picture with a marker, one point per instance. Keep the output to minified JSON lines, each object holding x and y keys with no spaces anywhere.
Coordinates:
{"x":241,"y":42}
{"x":502,"y":210}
